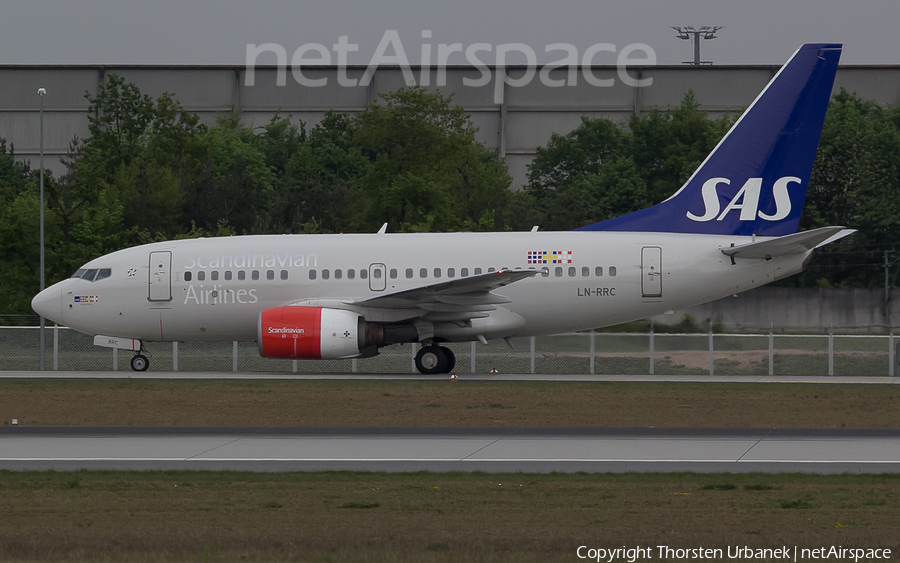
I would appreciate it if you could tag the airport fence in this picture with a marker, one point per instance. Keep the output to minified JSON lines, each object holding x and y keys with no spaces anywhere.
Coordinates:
{"x":573,"y":353}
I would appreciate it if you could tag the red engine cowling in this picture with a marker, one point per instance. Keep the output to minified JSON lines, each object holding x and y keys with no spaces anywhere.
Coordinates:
{"x":310,"y":333}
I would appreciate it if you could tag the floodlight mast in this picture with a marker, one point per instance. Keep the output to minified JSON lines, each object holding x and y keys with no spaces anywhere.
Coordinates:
{"x":705,"y":32}
{"x":41,"y":93}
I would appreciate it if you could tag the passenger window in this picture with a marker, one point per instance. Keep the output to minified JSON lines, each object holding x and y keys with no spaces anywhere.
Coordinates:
{"x":558,"y":272}
{"x":409,"y":273}
{"x":437,"y":272}
{"x":423,"y":273}
{"x":187,"y":276}
{"x":89,"y":275}
{"x":214,"y":275}
{"x":377,"y":273}
{"x":491,"y":270}
{"x":464,"y":272}
{"x":571,"y":271}
{"x":351,"y":274}
{"x":102,"y":274}
{"x":393,"y":273}
{"x":585,"y":271}
{"x":312,"y":274}
{"x":270,"y":274}
{"x":254,"y":275}
{"x":242,"y":275}
{"x":612,"y":271}
{"x":363,"y":274}
{"x":477,"y":271}
{"x":451,"y":272}
{"x":326,"y":274}
{"x":545,"y":271}
{"x":598,"y":271}
{"x":228,"y":275}
{"x":284,"y":274}
{"x":201,"y":276}
{"x":338,"y":274}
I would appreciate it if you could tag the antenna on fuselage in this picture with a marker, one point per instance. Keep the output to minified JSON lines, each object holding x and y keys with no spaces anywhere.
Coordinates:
{"x":383,"y":229}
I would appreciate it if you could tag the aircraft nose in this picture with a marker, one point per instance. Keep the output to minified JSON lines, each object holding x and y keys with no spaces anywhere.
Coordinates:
{"x":48,"y":303}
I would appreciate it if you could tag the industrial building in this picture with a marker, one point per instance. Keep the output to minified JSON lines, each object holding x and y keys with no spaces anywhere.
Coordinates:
{"x":512,"y":119}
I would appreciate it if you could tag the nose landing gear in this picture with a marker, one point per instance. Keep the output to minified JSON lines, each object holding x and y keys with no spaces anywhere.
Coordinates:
{"x":140,"y":362}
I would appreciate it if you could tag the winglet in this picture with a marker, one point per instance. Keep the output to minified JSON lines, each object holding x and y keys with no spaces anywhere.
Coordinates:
{"x":383,"y":229}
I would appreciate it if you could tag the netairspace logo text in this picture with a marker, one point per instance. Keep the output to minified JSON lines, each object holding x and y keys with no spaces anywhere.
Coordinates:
{"x":784,"y":553}
{"x":478,"y":55}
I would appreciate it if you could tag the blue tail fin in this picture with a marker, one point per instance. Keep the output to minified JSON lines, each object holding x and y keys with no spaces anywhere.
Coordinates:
{"x":755,"y":180}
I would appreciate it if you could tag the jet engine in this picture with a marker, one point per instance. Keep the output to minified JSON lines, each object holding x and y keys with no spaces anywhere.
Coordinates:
{"x":316,"y":333}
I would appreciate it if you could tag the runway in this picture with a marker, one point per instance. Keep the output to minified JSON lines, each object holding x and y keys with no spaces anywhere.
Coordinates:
{"x":194,"y":375}
{"x":452,"y":449}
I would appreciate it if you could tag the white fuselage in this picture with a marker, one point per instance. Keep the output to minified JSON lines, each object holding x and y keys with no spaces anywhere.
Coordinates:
{"x":215,"y":289}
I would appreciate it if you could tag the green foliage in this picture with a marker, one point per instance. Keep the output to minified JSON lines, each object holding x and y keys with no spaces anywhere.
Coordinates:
{"x":856,"y":183}
{"x":427,"y":172}
{"x":602,"y":169}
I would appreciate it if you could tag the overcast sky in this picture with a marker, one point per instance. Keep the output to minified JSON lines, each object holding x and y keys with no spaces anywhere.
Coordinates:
{"x":218,"y":31}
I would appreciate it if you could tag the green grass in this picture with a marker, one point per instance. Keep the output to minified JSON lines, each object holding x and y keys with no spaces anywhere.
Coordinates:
{"x":410,"y":517}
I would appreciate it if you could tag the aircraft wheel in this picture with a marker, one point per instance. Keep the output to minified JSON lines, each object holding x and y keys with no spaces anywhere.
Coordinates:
{"x":451,"y":359}
{"x":431,"y":359}
{"x":140,"y":363}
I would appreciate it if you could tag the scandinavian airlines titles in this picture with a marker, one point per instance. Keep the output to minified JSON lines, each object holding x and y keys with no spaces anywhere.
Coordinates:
{"x":746,"y":200}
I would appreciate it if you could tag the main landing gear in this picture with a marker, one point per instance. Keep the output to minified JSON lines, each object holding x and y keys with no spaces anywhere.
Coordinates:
{"x":435,"y":359}
{"x":140,"y":362}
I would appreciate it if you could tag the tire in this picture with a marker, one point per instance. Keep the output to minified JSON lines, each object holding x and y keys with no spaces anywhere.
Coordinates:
{"x":140,"y":363}
{"x":431,"y":360}
{"x":451,"y":359}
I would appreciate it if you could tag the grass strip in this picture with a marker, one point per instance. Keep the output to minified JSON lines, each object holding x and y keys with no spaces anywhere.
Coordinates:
{"x":344,"y":516}
{"x":445,"y":403}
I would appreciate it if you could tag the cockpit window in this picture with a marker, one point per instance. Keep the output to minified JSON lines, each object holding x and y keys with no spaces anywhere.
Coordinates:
{"x":92,"y":274}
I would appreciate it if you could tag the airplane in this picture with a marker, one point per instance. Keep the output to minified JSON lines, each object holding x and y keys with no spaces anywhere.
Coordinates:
{"x":731,"y":227}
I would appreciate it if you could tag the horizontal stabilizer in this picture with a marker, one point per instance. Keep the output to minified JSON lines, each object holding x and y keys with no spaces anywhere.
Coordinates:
{"x":788,"y":244}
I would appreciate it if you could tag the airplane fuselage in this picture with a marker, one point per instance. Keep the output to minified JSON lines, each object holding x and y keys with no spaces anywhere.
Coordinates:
{"x":214,"y":289}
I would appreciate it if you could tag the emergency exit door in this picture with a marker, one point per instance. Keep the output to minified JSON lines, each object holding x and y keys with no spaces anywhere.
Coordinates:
{"x":160,"y":273}
{"x":377,"y":280}
{"x":651,"y":271}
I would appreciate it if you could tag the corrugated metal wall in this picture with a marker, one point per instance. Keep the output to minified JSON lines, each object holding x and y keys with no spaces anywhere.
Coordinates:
{"x":524,"y":118}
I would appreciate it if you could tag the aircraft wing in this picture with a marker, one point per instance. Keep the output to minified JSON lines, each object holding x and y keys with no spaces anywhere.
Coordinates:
{"x":453,"y":300}
{"x":789,"y":244}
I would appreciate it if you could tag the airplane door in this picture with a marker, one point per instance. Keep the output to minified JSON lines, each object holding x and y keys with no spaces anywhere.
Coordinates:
{"x":160,"y":273}
{"x":377,"y":281}
{"x":651,"y":271}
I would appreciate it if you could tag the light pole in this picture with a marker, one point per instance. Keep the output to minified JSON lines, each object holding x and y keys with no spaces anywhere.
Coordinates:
{"x":41,"y":93}
{"x":706,"y":32}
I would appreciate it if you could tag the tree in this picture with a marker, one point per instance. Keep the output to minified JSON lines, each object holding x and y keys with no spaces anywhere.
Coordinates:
{"x":668,"y":145}
{"x":234,"y":182}
{"x":603,"y":169}
{"x":855,"y":182}
{"x":141,"y":154}
{"x":427,"y":172}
